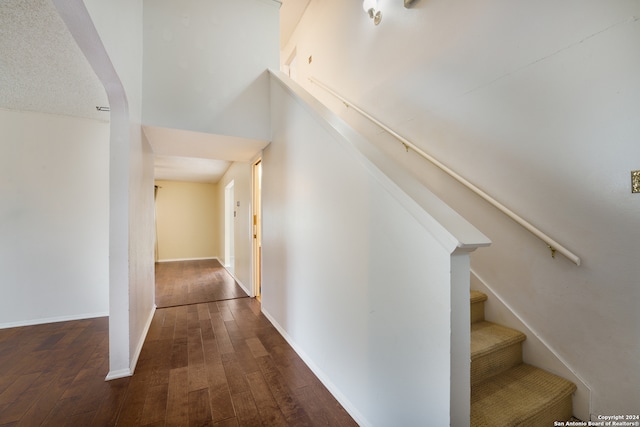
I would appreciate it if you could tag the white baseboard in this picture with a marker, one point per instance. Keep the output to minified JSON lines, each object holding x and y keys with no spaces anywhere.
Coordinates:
{"x":346,"y":404}
{"x":244,"y":288}
{"x":122,"y":373}
{"x":42,"y":321}
{"x":136,"y":354}
{"x":186,"y":259}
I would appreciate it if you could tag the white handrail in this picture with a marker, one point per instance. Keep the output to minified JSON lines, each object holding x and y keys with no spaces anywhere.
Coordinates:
{"x":551,"y":243}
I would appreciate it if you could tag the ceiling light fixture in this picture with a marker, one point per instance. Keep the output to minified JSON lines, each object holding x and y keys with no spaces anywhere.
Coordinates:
{"x":370,"y":7}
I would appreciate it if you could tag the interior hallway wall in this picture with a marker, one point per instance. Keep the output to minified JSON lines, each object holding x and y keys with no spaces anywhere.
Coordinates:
{"x":187,"y":218}
{"x":54,"y":218}
{"x":358,"y":279}
{"x":537,"y":104}
{"x":240,"y":174}
{"x":116,"y":57}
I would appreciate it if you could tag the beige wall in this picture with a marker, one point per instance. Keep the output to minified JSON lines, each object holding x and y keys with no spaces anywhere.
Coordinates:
{"x":186,"y":215}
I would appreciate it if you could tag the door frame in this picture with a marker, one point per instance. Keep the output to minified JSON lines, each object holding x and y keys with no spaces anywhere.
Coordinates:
{"x":229,"y":227}
{"x":256,"y":227}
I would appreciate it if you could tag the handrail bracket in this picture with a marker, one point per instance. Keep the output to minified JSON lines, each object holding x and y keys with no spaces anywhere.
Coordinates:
{"x":551,"y":244}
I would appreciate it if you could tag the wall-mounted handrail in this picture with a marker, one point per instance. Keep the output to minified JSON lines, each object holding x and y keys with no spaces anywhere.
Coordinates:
{"x":553,"y":245}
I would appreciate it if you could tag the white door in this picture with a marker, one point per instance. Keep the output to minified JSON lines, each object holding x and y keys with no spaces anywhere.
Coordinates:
{"x":229,"y":227}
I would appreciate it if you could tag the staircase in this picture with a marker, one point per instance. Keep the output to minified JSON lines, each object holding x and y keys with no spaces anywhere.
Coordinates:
{"x":505,"y":392}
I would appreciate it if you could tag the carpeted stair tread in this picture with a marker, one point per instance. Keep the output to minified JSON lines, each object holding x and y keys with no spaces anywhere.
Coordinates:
{"x":487,"y":337}
{"x":519,"y":396}
{"x":477,"y":296}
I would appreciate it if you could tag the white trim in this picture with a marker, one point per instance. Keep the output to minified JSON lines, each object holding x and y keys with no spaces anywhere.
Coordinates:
{"x":122,"y":373}
{"x":143,"y":337}
{"x":186,"y":259}
{"x":33,"y":322}
{"x":255,"y":195}
{"x":324,"y":379}
{"x":244,"y":288}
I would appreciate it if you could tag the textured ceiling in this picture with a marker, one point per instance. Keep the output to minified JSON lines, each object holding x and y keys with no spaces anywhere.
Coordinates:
{"x":41,"y":67}
{"x":43,"y":70}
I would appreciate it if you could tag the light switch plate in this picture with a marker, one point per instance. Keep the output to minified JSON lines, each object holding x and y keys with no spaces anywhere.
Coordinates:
{"x":635,"y":181}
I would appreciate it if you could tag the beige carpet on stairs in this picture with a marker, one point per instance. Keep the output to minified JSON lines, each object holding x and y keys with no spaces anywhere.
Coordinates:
{"x":504,"y":391}
{"x":506,"y":400}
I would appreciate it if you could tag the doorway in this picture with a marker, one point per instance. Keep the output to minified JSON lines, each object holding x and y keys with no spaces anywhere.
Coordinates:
{"x":292,"y":65}
{"x":229,"y":227}
{"x":257,"y":228}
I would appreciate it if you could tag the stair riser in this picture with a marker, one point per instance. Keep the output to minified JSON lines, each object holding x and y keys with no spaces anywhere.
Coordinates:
{"x":495,"y":362}
{"x":505,"y":392}
{"x":477,"y":312}
{"x":560,"y":411}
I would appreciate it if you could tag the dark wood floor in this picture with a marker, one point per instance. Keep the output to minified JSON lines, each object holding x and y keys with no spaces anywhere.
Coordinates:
{"x":192,"y":282}
{"x":209,"y":364}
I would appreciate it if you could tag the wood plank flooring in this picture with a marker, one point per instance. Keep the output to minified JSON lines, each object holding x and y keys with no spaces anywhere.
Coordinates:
{"x":192,"y":282}
{"x":218,"y":363}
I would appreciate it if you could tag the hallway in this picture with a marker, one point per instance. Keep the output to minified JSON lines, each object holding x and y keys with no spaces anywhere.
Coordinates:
{"x":218,"y":363}
{"x":192,"y":282}
{"x":223,"y":363}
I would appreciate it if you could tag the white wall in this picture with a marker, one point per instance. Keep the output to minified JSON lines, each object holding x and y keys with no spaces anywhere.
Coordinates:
{"x":141,"y":243}
{"x":114,"y":49}
{"x":536,"y":103}
{"x":354,"y":280}
{"x":240,"y":174}
{"x":54,"y":224}
{"x":120,"y":28}
{"x":205,"y":62}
